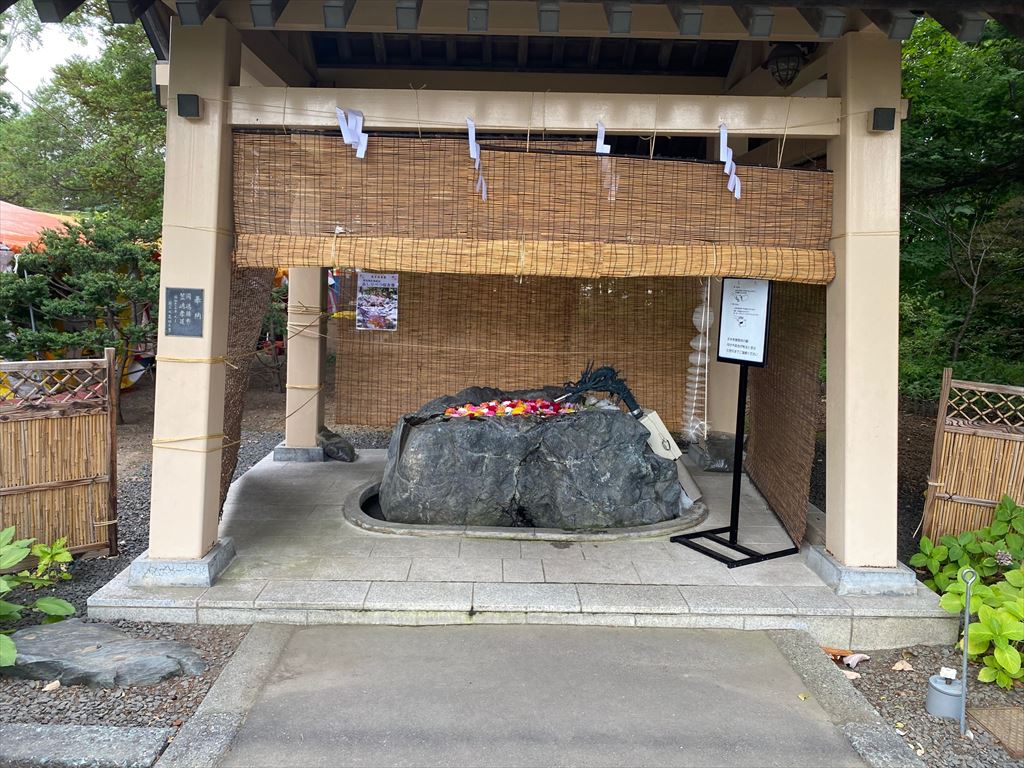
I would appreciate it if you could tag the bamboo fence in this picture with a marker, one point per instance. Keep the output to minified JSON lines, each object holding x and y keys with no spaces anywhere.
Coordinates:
{"x":58,"y":451}
{"x":978,"y":455}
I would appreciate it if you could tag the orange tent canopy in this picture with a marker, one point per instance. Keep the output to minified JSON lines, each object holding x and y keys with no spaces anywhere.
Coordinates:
{"x":21,"y":226}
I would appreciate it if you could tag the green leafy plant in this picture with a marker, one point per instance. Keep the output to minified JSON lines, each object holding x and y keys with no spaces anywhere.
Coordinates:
{"x":51,"y":567}
{"x":997,"y":637}
{"x":990,"y":551}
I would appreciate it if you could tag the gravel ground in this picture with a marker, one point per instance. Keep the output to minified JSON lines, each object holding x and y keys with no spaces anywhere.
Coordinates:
{"x":900,"y":697}
{"x":169,"y":703}
{"x":364,"y":437}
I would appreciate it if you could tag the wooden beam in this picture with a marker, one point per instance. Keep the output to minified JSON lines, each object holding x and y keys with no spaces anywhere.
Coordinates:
{"x":127,"y":11}
{"x":277,"y":58}
{"x":665,"y":53}
{"x":1014,"y":23}
{"x":444,"y":110}
{"x":828,"y":22}
{"x":54,"y":11}
{"x":192,"y":13}
{"x":794,"y":152}
{"x":437,"y":77}
{"x":965,"y":26}
{"x":380,"y":53}
{"x":265,"y":13}
{"x":629,"y":54}
{"x":558,"y":51}
{"x":700,"y":55}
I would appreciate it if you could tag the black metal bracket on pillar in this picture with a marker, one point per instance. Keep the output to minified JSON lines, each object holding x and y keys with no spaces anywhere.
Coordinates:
{"x":728,"y":536}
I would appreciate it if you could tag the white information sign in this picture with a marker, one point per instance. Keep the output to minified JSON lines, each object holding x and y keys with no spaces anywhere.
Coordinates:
{"x":743,"y":328}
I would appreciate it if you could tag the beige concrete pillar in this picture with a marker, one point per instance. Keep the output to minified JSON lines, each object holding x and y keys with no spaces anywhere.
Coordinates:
{"x":196,"y":254}
{"x":307,"y":331}
{"x":863,"y":306}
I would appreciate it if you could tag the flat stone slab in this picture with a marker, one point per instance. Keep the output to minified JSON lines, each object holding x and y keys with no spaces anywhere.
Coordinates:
{"x":77,"y":653}
{"x":534,"y":696}
{"x":80,"y":746}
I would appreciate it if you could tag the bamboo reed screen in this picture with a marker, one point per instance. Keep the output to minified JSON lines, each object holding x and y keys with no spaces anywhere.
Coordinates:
{"x":455,"y":331}
{"x":303,"y":199}
{"x":781,"y":424}
{"x":58,"y":456}
{"x":978,"y":455}
{"x":249,"y":301}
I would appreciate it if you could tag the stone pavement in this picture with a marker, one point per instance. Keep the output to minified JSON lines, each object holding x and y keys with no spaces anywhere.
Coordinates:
{"x":532,"y":696}
{"x":302,"y":561}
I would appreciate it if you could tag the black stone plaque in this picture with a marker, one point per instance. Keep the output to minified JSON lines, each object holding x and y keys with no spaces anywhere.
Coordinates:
{"x":183,"y":312}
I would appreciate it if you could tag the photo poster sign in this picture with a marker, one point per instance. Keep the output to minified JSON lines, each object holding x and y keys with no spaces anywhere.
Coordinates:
{"x":376,"y":302}
{"x":743,"y":326}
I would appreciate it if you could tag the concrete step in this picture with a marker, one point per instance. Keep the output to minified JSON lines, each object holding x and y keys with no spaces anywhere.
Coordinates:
{"x":850,"y":622}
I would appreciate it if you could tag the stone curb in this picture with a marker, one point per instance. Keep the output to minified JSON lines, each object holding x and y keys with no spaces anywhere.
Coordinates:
{"x":352,"y":508}
{"x":877,"y":744}
{"x":207,"y":735}
{"x":80,"y":746}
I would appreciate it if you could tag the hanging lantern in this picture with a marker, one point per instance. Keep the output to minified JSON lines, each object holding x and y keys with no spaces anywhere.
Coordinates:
{"x":784,"y":63}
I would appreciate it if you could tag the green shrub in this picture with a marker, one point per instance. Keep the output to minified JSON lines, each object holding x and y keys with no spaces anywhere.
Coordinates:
{"x":997,"y":637}
{"x":51,"y":567}
{"x":991,"y":551}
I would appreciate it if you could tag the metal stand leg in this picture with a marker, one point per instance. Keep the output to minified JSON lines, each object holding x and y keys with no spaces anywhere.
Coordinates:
{"x":733,"y":529}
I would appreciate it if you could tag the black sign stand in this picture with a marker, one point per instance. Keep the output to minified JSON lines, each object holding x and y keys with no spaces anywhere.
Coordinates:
{"x":732,"y":530}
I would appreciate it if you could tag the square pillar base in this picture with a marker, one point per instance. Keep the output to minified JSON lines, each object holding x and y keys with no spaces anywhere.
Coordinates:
{"x":285,"y":453}
{"x":147,"y":572}
{"x":849,"y":580}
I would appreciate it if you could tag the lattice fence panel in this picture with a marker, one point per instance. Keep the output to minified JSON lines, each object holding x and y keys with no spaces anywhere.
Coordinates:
{"x":978,"y":455}
{"x":58,"y":454}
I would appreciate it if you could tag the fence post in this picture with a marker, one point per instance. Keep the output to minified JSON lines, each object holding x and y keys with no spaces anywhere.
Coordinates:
{"x":113,"y":395}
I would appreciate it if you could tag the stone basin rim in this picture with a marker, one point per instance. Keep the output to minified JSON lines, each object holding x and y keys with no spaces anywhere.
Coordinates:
{"x":352,"y":508}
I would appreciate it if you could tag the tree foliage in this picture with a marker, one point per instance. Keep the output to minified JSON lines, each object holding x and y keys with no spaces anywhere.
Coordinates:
{"x":94,"y":137}
{"x":963,"y":197}
{"x":93,"y":286}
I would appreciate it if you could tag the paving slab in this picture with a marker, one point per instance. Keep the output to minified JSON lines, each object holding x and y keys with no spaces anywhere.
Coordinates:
{"x":535,"y":696}
{"x":398,"y":546}
{"x":526,"y":597}
{"x":455,"y":569}
{"x":485,"y":548}
{"x":738,"y":600}
{"x":419,"y":596}
{"x":80,"y":746}
{"x":523,"y":569}
{"x":240,"y":593}
{"x":590,"y":572}
{"x":363,"y":568}
{"x":630,"y":598}
{"x":676,"y":571}
{"x":313,"y":594}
